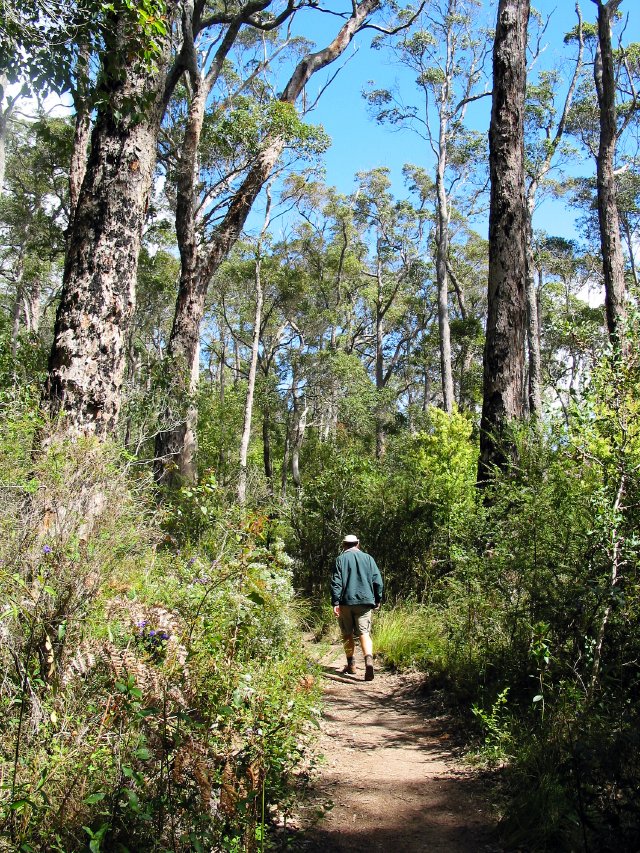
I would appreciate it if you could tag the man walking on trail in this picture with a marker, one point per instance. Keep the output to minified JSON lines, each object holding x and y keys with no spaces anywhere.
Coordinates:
{"x":356,"y":589}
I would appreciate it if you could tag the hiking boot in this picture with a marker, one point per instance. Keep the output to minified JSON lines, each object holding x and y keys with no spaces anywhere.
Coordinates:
{"x":368,"y":668}
{"x":350,"y":668}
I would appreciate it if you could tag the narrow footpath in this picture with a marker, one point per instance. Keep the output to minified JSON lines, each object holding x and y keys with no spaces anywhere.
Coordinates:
{"x":391,"y":779}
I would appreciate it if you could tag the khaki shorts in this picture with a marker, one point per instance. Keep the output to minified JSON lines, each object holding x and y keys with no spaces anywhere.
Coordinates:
{"x":355,"y":619}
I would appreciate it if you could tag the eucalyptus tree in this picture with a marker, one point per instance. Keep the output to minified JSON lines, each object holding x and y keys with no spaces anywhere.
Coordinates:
{"x":571,"y":331}
{"x":171,"y":450}
{"x":468,"y":274}
{"x":143,"y":51}
{"x":545,"y":124}
{"x":503,"y":362}
{"x":8,"y":104}
{"x":396,"y":234}
{"x":605,"y":83}
{"x":446,"y":50}
{"x":97,"y":301}
{"x":603,"y":116}
{"x":325,"y":253}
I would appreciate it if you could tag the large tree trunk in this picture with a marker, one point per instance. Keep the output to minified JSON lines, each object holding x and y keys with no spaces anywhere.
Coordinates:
{"x":193,"y":289}
{"x":87,"y":359}
{"x":611,"y":244}
{"x":506,"y":320}
{"x":82,"y":132}
{"x":176,"y":445}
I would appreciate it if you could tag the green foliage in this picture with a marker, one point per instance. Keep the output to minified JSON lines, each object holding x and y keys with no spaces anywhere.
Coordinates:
{"x":409,"y":509}
{"x":409,"y":635}
{"x":146,"y":684}
{"x":39,"y":42}
{"x":250,"y":124}
{"x":496,"y":729}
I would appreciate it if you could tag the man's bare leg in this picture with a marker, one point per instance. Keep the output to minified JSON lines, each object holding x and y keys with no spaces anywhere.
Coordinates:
{"x":367,"y":644}
{"x":349,"y":645}
{"x":367,"y":651}
{"x":349,"y":648}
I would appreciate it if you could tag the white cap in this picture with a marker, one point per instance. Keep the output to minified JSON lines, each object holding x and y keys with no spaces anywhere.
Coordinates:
{"x":350,"y":539}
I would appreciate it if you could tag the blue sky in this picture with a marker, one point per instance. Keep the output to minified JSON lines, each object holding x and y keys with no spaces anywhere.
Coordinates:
{"x":360,"y":144}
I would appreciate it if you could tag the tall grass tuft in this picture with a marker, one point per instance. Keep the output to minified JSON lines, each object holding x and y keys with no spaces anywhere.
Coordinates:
{"x":409,"y":636}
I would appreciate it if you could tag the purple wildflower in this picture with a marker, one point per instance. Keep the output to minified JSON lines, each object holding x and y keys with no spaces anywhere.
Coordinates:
{"x":46,"y":549}
{"x":192,"y":561}
{"x":152,"y":633}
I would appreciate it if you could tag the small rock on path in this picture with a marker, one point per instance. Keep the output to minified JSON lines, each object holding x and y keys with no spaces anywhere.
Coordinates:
{"x":391,"y":772}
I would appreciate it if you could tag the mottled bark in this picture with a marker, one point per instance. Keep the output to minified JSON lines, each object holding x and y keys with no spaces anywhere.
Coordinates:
{"x":77,"y":170}
{"x":610,"y":241}
{"x":506,"y":320}
{"x":87,"y":359}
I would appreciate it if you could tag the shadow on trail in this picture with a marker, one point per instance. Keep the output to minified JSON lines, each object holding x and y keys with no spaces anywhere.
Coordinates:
{"x":391,"y":780}
{"x":394,"y":719}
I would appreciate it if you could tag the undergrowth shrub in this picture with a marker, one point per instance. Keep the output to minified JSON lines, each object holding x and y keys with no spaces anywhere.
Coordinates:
{"x":410,"y":636}
{"x":154,"y":695}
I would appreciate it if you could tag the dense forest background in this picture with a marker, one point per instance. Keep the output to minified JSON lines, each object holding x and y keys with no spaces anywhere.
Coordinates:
{"x":213,"y":365}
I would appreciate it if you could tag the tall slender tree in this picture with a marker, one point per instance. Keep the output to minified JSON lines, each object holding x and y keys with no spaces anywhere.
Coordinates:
{"x":446,"y":51}
{"x":506,"y":321}
{"x":610,"y":240}
{"x":544,"y":137}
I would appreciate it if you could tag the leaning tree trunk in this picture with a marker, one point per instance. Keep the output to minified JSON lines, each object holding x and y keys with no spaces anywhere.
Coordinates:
{"x":253,"y":369}
{"x":82,"y":131}
{"x":610,"y":241}
{"x":193,"y":289}
{"x":506,"y":320}
{"x":87,"y":359}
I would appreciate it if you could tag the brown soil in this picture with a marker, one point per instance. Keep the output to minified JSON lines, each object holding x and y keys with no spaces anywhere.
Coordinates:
{"x":392,"y":778}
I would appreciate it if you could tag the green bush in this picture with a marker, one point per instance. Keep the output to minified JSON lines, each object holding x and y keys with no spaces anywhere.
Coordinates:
{"x":154,"y":693}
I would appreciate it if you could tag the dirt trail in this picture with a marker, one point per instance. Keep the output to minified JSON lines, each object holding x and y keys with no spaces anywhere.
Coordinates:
{"x":391,"y":771}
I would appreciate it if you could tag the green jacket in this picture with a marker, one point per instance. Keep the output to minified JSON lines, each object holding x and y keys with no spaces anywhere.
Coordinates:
{"x":356,"y":579}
